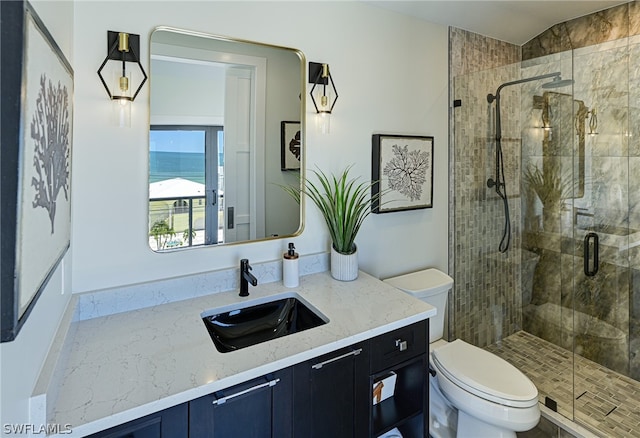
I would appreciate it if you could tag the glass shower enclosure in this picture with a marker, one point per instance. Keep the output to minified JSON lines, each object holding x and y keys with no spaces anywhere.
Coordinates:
{"x":570,"y":277}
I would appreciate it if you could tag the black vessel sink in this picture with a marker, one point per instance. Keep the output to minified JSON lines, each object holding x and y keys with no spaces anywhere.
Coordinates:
{"x":242,"y":327}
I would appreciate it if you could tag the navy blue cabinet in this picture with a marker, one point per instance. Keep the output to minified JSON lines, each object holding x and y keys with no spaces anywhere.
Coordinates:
{"x":170,"y":423}
{"x":402,"y":352}
{"x":259,"y":408}
{"x":332,"y":395}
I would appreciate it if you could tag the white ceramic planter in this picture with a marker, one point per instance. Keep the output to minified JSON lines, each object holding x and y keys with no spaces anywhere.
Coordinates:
{"x":344,"y":267}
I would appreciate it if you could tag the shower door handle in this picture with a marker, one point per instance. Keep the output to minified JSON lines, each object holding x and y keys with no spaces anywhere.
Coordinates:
{"x":589,"y":270}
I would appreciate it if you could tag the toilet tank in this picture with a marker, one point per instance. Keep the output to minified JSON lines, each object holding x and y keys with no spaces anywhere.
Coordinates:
{"x":431,"y":286}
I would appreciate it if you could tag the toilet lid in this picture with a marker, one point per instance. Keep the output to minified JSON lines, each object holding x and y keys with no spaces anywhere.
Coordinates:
{"x":484,"y":374}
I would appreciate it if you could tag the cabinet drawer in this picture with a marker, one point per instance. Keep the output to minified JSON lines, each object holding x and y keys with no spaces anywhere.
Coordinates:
{"x":399,"y":345}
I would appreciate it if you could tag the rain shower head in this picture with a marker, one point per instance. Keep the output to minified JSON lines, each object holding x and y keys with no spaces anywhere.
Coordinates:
{"x":557,"y":82}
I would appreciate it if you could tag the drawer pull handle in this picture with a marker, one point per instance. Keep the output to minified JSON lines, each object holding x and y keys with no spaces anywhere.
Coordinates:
{"x":326,"y":362}
{"x":224,"y":399}
{"x":401,"y":345}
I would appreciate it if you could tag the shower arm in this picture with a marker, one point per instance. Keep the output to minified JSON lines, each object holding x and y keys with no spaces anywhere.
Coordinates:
{"x":497,"y":183}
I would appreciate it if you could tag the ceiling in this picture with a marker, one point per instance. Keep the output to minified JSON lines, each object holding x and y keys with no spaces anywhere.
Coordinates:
{"x":514,"y":21}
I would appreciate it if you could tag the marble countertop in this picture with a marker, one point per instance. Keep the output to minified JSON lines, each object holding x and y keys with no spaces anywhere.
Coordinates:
{"x":127,"y":365}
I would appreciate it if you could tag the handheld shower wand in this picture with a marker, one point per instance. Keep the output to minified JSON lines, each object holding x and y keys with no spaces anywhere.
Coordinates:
{"x":498,"y":182}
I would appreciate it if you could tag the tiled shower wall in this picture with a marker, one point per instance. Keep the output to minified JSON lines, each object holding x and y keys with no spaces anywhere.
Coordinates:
{"x":486,"y":300}
{"x":486,"y":303}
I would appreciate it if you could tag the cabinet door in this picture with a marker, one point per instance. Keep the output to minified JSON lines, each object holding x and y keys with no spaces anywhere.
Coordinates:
{"x":170,"y":423}
{"x":331,"y":395}
{"x":259,"y":408}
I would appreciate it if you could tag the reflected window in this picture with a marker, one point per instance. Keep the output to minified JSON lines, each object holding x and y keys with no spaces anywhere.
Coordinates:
{"x":186,"y":184}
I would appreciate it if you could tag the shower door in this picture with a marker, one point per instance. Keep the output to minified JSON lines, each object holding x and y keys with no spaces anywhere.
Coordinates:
{"x":606,"y":233}
{"x":552,"y":177}
{"x":582,"y":282}
{"x":601,"y":217}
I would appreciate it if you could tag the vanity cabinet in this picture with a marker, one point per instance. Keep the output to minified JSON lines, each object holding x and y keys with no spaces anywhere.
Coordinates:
{"x":331,"y":394}
{"x":170,"y":423}
{"x":328,"y":396}
{"x":404,"y":353}
{"x":259,"y":408}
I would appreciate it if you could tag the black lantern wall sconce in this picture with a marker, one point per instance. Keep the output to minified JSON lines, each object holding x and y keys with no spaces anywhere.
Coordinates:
{"x":122,"y":47}
{"x":323,"y":93}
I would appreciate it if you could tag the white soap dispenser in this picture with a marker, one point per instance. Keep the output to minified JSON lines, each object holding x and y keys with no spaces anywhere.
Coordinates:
{"x":290,"y":274}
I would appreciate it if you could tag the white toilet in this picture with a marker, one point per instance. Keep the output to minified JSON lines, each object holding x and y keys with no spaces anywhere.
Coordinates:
{"x":474,"y":393}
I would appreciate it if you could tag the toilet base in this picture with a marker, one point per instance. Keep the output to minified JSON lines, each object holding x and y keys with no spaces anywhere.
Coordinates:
{"x":443,"y":418}
{"x":471,"y":427}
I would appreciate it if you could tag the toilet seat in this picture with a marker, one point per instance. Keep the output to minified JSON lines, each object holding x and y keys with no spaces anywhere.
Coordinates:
{"x":484,"y":374}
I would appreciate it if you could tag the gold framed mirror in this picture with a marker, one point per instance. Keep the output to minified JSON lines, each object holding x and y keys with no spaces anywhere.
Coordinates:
{"x":226,"y":131}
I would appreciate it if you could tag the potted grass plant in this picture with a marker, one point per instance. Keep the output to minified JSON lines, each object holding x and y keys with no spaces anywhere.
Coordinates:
{"x":344,"y":204}
{"x":552,"y":188}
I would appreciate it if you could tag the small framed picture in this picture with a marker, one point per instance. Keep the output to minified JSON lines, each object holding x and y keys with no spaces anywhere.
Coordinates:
{"x":291,"y":145}
{"x":402,"y":166}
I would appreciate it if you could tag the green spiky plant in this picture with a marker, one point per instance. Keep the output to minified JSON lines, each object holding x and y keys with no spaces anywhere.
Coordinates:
{"x":551,"y":187}
{"x":343,"y":202}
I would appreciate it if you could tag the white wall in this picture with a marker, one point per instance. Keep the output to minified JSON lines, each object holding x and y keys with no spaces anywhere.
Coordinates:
{"x":22,"y":359}
{"x":391,"y":74}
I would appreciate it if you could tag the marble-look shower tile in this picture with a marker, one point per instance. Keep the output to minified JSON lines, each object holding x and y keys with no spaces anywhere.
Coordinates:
{"x":547,"y":280}
{"x":602,"y":82}
{"x":634,"y":194}
{"x":634,"y":18}
{"x":634,"y":319}
{"x":553,"y":40}
{"x":609,"y":24}
{"x":610,"y":190}
{"x":634,"y":96}
{"x":606,"y":25}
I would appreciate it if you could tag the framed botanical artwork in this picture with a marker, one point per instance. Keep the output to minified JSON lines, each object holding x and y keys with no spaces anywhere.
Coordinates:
{"x":291,"y":145}
{"x":37,"y":114}
{"x":402,"y":172}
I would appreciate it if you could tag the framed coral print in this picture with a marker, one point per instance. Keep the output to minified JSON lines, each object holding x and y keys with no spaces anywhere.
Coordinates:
{"x":291,"y":145}
{"x":403,"y":167}
{"x":36,"y":162}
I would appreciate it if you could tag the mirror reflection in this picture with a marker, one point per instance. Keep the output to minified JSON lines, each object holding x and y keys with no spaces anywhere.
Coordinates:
{"x":226,"y":131}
